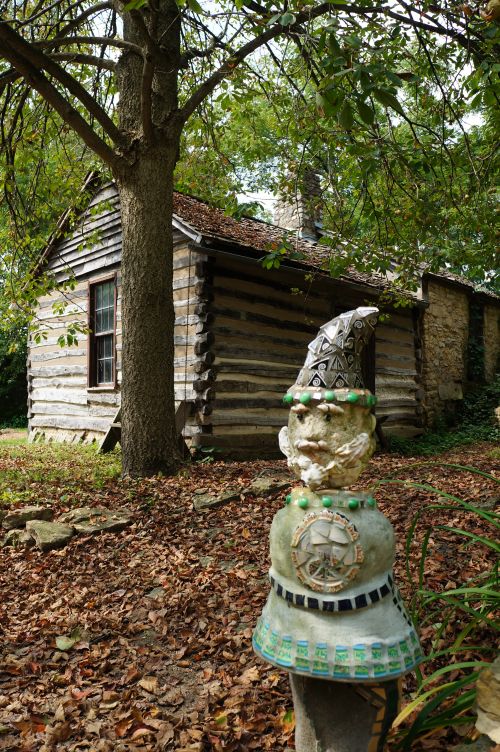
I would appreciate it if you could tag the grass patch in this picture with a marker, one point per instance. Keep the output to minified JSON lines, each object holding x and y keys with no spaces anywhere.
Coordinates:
{"x":64,"y":471}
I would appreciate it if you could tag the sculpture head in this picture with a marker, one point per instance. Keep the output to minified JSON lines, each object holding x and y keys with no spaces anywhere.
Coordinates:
{"x":329,"y":438}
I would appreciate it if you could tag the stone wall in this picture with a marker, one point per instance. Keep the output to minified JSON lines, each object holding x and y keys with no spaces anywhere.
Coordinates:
{"x":445,"y":332}
{"x":491,"y":330}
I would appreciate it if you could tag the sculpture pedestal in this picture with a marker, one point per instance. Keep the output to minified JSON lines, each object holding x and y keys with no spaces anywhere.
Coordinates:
{"x":338,"y":717}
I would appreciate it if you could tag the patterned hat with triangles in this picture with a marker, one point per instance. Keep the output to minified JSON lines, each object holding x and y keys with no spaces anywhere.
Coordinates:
{"x":334,"y":356}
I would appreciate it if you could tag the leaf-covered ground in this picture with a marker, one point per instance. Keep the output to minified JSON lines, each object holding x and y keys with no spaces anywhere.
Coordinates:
{"x":159,"y":617}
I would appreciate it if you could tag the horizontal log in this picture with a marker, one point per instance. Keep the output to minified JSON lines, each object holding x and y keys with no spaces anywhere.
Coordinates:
{"x":69,"y":370}
{"x":76,"y":310}
{"x":239,"y":441}
{"x":255,"y":356}
{"x":69,"y":381}
{"x":267,"y":369}
{"x":79,"y":294}
{"x":219,"y":419}
{"x":76,"y":423}
{"x":72,"y":396}
{"x":239,"y":278}
{"x":51,"y":408}
{"x":227,"y":387}
{"x":275,"y":305}
{"x":81,"y":339}
{"x":381,"y":357}
{"x":236,"y":316}
{"x":104,"y":398}
{"x":259,"y":334}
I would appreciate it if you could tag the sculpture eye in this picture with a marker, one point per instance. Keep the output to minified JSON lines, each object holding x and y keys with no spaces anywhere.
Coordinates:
{"x":300,"y":417}
{"x":328,"y":417}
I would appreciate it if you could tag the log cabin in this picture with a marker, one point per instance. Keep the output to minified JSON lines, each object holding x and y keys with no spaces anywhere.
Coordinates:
{"x":241,"y":331}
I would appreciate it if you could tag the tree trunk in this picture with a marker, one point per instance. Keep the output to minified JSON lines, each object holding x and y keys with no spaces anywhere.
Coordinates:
{"x":149,"y":442}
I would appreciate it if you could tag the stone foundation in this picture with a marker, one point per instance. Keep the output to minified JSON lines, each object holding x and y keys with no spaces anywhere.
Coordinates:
{"x":445,"y":331}
{"x":491,"y":329}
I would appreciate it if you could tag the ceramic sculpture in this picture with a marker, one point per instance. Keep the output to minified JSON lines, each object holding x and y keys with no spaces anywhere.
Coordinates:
{"x":334,"y":612}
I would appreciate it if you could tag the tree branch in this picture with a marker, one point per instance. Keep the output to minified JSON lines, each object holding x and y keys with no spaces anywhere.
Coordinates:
{"x":38,"y":60}
{"x":75,"y":22}
{"x":80,"y":57}
{"x":225,"y":69}
{"x":36,"y":78}
{"x":60,"y":41}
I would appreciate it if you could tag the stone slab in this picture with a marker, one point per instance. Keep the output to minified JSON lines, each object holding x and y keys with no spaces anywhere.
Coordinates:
{"x":17,"y":518}
{"x":94,"y":520}
{"x":49,"y":535}
{"x":17,"y":537}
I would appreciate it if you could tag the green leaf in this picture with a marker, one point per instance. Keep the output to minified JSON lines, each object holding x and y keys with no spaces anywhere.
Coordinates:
{"x":194,"y":5}
{"x":287,"y":19}
{"x":366,"y":112}
{"x":66,"y":642}
{"x":388,"y":100}
{"x":346,"y":117}
{"x":333,"y":45}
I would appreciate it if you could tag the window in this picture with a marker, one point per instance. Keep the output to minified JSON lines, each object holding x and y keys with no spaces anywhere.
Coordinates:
{"x":102,"y":304}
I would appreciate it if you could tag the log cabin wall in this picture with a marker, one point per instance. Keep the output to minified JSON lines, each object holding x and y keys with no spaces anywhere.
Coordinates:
{"x":61,"y":406}
{"x":262,"y":324}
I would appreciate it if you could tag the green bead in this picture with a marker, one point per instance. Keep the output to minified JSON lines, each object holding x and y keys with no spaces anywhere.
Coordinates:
{"x":353,"y":503}
{"x":288,"y":399}
{"x":303,"y":503}
{"x":327,"y":501}
{"x":288,"y":498}
{"x":371,"y":502}
{"x":352,"y":397}
{"x":371,"y":400}
{"x":329,"y":395}
{"x":305,"y":398}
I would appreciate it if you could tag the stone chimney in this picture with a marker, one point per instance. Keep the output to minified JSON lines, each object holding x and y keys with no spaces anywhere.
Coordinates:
{"x":301,"y":212}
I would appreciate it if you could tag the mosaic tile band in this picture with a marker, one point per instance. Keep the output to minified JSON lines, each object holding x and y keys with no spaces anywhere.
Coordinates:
{"x":362,"y":662}
{"x":336,"y":605}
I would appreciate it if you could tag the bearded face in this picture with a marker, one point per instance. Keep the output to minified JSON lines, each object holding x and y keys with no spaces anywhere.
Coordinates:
{"x":328,"y":445}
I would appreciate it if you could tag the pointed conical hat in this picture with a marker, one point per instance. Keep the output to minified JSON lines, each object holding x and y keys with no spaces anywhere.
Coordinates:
{"x":334,"y":357}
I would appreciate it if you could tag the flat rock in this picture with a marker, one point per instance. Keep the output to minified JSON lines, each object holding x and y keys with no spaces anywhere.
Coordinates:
{"x":17,"y":518}
{"x":258,"y":487}
{"x":17,"y":537}
{"x":266,"y":486}
{"x":208,"y":501}
{"x":93,"y":520}
{"x":49,"y":535}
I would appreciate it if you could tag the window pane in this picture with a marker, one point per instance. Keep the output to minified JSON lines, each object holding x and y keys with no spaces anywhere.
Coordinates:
{"x":104,"y":307}
{"x":104,"y":352}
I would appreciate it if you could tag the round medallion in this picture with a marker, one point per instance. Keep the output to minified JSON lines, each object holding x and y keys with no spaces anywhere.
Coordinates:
{"x":325,"y":552}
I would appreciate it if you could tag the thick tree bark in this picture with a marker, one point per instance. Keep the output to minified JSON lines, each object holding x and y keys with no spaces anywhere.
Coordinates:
{"x":148,"y":409}
{"x":148,"y":116}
